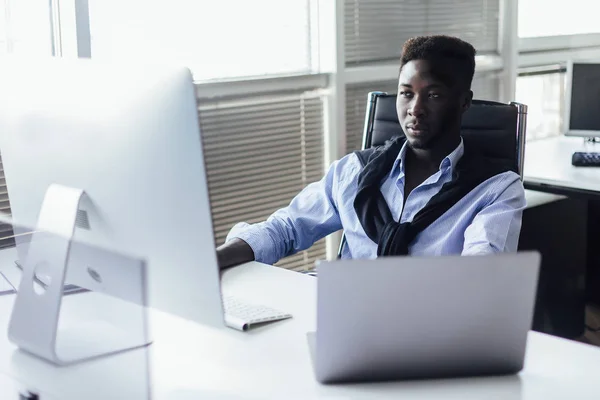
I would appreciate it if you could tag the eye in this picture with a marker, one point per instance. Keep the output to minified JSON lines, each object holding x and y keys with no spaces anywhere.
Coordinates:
{"x":406,"y":94}
{"x":434,"y":95}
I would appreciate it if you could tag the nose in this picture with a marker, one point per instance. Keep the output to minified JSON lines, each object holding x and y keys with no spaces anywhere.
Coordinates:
{"x":417,"y":107}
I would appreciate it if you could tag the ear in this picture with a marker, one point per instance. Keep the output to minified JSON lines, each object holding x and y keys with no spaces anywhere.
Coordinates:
{"x":466,"y":101}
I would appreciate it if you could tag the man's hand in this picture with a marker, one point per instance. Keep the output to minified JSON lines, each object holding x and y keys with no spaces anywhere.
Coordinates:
{"x":233,"y":253}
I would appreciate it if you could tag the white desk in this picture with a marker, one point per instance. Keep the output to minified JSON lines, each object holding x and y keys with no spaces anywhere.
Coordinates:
{"x":548,"y":167}
{"x":194,"y":362}
{"x":535,"y":198}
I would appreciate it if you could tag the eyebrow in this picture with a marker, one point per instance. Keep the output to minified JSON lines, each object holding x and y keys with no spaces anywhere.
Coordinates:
{"x":433,"y":85}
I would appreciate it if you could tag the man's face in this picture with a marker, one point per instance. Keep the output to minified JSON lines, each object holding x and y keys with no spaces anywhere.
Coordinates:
{"x":427,"y":107}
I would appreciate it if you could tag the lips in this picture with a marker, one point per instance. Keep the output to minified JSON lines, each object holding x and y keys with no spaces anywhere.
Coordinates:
{"x":417,"y":128}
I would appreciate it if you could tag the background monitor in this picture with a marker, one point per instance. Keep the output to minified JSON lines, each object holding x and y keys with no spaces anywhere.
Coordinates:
{"x":128,"y":135}
{"x":582,"y":99}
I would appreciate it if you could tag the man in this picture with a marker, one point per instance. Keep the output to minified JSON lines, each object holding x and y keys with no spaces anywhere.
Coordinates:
{"x":426,"y":194}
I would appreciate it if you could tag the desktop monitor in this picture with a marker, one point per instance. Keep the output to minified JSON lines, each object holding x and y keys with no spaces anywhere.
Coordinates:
{"x":582,"y":99}
{"x":129,"y":137}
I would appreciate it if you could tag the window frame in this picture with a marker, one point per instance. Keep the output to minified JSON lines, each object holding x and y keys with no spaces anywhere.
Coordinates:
{"x":553,"y":43}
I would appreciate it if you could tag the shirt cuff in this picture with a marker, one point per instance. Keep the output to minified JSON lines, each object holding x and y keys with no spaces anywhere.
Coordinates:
{"x":482,"y":249}
{"x":261,"y":244}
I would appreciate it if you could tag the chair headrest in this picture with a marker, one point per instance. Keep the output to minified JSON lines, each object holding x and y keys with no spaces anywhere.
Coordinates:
{"x":489,"y":125}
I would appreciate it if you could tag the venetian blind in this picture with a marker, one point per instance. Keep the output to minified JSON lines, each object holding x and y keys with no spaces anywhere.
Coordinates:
{"x":376,"y":29}
{"x":260,"y":151}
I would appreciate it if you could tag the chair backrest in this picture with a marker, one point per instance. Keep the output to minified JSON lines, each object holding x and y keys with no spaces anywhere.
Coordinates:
{"x":496,"y":129}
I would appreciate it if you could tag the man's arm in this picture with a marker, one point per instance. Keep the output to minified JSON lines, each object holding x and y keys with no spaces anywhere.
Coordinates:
{"x":497,"y":226}
{"x":311,"y":215}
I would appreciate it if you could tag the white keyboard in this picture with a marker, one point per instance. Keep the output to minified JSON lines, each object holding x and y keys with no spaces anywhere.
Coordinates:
{"x":240,"y":315}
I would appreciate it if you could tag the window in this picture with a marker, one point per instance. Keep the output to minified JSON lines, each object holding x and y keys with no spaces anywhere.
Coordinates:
{"x":543,"y":93}
{"x":260,"y":151}
{"x":25,"y":31}
{"x":25,"y":27}
{"x":538,"y":18}
{"x":215,"y":39}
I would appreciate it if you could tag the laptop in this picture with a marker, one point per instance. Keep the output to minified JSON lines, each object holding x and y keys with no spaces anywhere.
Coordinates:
{"x":423,"y":317}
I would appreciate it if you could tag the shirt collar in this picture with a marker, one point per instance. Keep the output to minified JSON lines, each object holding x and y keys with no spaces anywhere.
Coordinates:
{"x":449,"y":162}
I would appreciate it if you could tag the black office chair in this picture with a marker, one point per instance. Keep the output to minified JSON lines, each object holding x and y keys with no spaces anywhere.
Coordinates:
{"x":496,"y":129}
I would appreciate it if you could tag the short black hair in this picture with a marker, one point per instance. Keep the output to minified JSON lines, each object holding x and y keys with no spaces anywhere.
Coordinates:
{"x":453,"y":59}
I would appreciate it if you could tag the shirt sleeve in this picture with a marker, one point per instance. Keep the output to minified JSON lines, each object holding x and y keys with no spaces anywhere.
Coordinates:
{"x":497,"y":226}
{"x":311,"y":215}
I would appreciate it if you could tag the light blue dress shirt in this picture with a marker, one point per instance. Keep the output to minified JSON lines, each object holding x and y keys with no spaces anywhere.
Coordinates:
{"x":487,"y":220}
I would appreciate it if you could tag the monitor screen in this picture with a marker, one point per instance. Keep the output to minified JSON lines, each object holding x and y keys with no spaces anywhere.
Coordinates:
{"x":584,"y":99}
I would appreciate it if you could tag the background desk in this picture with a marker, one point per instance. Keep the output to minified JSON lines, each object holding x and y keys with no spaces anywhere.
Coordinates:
{"x":194,"y":362}
{"x":548,"y":167}
{"x":574,"y":275}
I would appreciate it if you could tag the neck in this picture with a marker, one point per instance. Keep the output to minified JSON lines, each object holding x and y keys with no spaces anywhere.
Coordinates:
{"x":431,"y":158}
